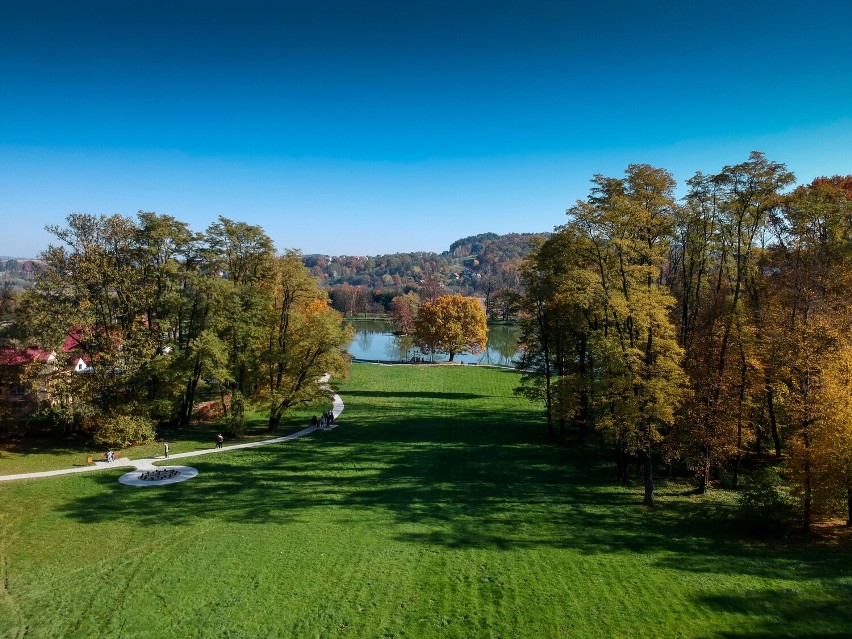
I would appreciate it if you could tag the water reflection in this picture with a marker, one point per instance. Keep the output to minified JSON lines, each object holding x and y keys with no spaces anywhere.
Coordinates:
{"x":374,"y":340}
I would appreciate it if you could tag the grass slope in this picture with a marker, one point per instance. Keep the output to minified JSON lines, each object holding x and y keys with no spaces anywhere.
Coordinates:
{"x":435,"y":510}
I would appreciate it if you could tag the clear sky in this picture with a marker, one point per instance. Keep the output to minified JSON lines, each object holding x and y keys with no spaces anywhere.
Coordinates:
{"x":374,"y":127}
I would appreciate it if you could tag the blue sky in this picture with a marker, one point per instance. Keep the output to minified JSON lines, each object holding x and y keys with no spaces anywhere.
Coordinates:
{"x":376,"y":127}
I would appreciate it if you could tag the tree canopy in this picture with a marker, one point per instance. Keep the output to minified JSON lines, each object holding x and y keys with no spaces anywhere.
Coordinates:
{"x":452,"y":324}
{"x":154,"y":309}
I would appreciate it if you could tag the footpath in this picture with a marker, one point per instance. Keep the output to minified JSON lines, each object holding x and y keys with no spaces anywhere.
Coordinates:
{"x":148,"y":463}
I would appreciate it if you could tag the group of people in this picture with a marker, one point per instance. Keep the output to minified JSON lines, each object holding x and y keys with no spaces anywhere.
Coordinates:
{"x":326,"y":421}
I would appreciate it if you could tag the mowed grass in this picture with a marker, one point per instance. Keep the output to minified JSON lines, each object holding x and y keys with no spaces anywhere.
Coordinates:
{"x":35,"y":454}
{"x":436,"y":509}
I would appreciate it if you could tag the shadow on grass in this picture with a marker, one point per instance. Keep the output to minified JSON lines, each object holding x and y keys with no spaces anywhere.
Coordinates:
{"x":39,"y":445}
{"x":800,"y":613}
{"x":474,"y":479}
{"x":414,"y":395}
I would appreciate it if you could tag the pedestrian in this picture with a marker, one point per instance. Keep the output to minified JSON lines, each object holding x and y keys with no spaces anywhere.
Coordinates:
{"x":110,"y":456}
{"x":314,"y":422}
{"x":331,"y":416}
{"x":219,"y":440}
{"x":166,"y":449}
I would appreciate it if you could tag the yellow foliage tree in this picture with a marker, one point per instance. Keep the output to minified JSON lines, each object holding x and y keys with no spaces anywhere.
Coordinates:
{"x":452,"y":324}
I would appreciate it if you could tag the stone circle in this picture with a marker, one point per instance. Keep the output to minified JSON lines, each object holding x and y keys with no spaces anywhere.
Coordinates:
{"x":158,"y":476}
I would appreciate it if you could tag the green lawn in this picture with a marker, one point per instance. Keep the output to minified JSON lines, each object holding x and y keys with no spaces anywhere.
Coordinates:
{"x":436,"y":509}
{"x":34,"y":454}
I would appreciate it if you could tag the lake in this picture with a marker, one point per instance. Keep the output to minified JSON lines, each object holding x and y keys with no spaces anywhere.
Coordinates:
{"x":374,"y":340}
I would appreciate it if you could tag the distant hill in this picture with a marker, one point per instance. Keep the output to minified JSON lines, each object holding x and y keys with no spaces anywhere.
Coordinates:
{"x":467,"y":260}
{"x":17,"y":273}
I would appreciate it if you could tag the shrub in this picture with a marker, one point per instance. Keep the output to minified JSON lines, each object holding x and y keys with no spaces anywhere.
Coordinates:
{"x":237,"y":421}
{"x":122,"y":431}
{"x":208,"y":412}
{"x":765,"y":505}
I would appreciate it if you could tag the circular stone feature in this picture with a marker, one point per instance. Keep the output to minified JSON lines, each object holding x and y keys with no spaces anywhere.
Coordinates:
{"x":158,"y":476}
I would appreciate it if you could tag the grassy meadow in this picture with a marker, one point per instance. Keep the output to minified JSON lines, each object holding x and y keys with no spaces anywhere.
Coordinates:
{"x":436,"y":509}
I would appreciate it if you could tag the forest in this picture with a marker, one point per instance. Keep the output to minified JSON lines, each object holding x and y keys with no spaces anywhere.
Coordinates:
{"x":709,"y":333}
{"x":484,"y":265}
{"x":132,"y":317}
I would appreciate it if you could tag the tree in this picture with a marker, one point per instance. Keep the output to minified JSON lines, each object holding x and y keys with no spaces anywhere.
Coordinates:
{"x":305,"y":339}
{"x":809,"y":283}
{"x":554,"y":326}
{"x":452,"y":324}
{"x":639,"y":382}
{"x":404,"y":310}
{"x":716,"y":275}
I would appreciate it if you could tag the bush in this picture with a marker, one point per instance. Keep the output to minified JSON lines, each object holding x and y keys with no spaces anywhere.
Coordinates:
{"x":121,"y":431}
{"x":765,"y":505}
{"x":237,"y":422}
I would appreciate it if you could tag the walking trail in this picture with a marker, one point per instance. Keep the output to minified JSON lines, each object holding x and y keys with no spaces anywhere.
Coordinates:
{"x":147,"y":464}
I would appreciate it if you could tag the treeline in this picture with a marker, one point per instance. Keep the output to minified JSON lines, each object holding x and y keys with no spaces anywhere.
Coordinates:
{"x":156,"y":311}
{"x":16,"y":275}
{"x":706,"y":332}
{"x":483,"y":265}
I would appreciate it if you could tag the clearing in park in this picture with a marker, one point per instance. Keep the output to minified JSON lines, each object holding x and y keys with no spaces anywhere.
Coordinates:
{"x":437,"y":509}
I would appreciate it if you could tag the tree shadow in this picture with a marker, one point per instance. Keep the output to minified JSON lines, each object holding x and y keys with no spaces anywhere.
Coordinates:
{"x":804,"y":616}
{"x":471,"y":478}
{"x":425,"y":395}
{"x":47,"y":446}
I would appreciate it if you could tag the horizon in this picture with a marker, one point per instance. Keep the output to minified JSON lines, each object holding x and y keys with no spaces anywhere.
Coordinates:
{"x":382,"y":128}
{"x":306,"y":255}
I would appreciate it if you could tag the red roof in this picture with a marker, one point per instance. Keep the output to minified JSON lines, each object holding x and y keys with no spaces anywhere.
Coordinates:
{"x":21,"y":356}
{"x":72,"y":341}
{"x":78,"y":336}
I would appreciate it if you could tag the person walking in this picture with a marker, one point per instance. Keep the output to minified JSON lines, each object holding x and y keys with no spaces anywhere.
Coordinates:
{"x":219,"y":440}
{"x":314,"y":422}
{"x":166,"y":449}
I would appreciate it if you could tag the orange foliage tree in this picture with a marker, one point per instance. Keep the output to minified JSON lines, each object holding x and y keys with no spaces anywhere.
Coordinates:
{"x":452,"y":324}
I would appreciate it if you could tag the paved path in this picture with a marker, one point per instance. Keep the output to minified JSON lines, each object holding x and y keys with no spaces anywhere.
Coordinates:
{"x":148,"y":463}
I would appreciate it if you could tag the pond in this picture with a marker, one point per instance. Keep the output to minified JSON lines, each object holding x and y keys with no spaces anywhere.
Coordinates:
{"x":374,"y":340}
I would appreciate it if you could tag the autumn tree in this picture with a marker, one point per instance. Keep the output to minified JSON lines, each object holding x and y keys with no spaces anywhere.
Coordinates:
{"x":452,"y":324}
{"x":715,"y":271}
{"x":403,"y":311}
{"x":305,"y":339}
{"x":554,"y":330}
{"x":155,"y":308}
{"x":809,"y":283}
{"x":639,"y":380}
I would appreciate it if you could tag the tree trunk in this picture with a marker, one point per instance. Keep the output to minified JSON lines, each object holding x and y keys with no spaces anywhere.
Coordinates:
{"x":773,"y":424}
{"x":622,"y":470}
{"x":188,"y":399}
{"x":704,"y":480}
{"x":849,"y":507}
{"x":274,"y":420}
{"x":583,"y":417}
{"x":806,"y":510}
{"x":649,"y":479}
